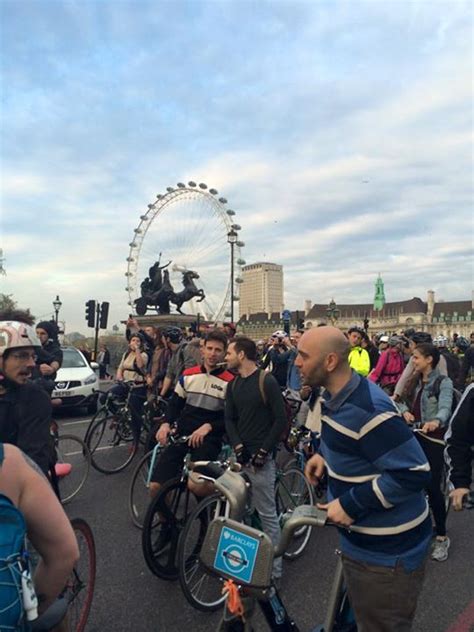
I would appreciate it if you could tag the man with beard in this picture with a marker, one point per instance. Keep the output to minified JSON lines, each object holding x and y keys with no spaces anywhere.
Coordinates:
{"x":25,"y":409}
{"x":376,"y":476}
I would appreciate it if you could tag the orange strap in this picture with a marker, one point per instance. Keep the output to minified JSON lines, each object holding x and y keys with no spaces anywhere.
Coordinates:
{"x":234,"y":602}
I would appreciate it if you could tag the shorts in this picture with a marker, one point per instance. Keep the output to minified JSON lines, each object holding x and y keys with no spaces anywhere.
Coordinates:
{"x":170,"y":463}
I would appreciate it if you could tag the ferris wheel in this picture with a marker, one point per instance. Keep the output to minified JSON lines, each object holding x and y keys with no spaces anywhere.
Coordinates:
{"x":190,"y":227}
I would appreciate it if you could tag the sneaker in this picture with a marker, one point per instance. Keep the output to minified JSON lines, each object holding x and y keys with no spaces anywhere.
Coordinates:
{"x":440,"y":550}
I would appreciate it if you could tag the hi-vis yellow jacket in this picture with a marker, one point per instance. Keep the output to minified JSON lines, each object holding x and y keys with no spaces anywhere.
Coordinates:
{"x":359,"y":361}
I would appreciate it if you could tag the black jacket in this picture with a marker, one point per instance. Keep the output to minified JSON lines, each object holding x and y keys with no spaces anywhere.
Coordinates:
{"x":25,"y":417}
{"x":460,"y":441}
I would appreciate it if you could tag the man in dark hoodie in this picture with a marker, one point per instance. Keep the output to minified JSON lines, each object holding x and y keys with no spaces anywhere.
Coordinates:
{"x":49,"y":357}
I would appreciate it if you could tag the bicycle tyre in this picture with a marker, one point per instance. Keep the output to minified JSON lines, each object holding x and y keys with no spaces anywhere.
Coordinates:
{"x":71,"y":449}
{"x":81,"y":584}
{"x":445,"y":489}
{"x":293,"y":490}
{"x":138,"y":493}
{"x":201,"y":589}
{"x":109,"y":452}
{"x":102,"y":413}
{"x":173,"y":501}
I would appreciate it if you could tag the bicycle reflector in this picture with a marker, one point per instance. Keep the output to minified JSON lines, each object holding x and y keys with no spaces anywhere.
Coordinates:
{"x":236,"y":551}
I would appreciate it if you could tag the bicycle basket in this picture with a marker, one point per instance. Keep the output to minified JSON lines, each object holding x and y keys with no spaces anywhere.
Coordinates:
{"x":236,"y":551}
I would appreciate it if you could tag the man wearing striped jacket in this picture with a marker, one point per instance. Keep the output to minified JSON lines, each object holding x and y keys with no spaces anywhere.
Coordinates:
{"x":376,"y":472}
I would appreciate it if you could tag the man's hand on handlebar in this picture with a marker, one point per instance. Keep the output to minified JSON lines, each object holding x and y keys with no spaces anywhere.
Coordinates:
{"x":336,"y":513}
{"x":242,"y":455}
{"x":163,"y":433}
{"x":314,"y":469}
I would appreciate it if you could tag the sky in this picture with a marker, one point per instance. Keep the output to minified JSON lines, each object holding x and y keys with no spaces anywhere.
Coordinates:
{"x":340,"y":132}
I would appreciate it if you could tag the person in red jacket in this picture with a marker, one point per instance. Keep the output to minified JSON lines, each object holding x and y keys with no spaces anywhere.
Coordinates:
{"x":389,"y":367}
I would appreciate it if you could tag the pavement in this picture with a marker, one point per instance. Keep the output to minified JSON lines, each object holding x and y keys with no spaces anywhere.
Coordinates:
{"x":128,"y":597}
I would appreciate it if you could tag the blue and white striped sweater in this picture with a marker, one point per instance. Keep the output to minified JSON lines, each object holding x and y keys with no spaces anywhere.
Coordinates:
{"x":378,"y":471}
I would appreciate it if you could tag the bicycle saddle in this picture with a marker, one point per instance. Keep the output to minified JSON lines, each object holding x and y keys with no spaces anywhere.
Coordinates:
{"x":209,"y":469}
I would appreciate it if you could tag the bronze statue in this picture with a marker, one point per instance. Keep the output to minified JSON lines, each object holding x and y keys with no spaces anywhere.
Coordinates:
{"x":157,"y":291}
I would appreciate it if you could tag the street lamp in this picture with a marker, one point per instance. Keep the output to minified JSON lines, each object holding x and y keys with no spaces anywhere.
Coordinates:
{"x":57,"y":306}
{"x":332,"y":311}
{"x":232,"y":237}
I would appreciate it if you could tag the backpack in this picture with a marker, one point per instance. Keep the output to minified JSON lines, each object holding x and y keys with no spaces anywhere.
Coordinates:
{"x":13,"y":558}
{"x":288,"y":410}
{"x":435,"y":390}
{"x":453,"y":366}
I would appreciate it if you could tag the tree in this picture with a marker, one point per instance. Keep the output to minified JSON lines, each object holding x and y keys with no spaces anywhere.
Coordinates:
{"x":7,"y":303}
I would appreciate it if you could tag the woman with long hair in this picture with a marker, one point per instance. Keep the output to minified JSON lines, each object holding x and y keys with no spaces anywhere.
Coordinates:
{"x":426,"y":404}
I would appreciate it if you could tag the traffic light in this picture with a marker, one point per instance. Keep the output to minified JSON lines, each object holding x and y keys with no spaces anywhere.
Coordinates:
{"x":300,"y":323}
{"x":366,"y":324}
{"x":104,"y":314}
{"x":90,"y":313}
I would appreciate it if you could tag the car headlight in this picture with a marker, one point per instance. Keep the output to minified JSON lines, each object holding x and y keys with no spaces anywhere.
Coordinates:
{"x":91,"y":379}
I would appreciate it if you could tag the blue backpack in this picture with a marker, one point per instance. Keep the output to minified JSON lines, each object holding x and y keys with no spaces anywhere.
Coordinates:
{"x":13,"y":560}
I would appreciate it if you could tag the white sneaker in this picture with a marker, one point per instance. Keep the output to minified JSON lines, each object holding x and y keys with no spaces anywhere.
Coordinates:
{"x":440,"y":550}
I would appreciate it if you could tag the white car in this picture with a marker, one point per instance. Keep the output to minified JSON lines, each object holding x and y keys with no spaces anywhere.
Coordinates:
{"x":76,"y":381}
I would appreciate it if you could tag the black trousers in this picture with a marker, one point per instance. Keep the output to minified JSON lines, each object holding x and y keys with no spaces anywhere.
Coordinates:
{"x":435,"y":455}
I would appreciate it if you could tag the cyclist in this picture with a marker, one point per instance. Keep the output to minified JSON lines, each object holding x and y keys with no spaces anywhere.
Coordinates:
{"x":278,"y":356}
{"x":359,"y":358}
{"x":415,"y":338}
{"x":467,"y":368}
{"x":254,"y":425}
{"x":183,"y":356}
{"x":50,"y":356}
{"x":376,"y":475}
{"x":459,"y":452}
{"x":133,"y":367}
{"x":197,"y":409}
{"x":390,"y":366}
{"x":48,"y":528}
{"x":25,"y":408}
{"x":427,"y":401}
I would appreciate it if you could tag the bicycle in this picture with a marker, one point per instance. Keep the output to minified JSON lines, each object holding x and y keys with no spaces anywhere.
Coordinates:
{"x":201,"y":590}
{"x":242,"y":557}
{"x":109,"y":435}
{"x":72,"y":465}
{"x":76,"y":600}
{"x":165,"y":519}
{"x":139,"y":490}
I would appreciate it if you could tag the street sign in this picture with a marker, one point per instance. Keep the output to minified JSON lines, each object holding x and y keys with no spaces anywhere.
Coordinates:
{"x":236,"y":554}
{"x":286,"y":314}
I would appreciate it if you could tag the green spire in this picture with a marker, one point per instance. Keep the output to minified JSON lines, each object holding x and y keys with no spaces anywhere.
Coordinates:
{"x":379,"y":299}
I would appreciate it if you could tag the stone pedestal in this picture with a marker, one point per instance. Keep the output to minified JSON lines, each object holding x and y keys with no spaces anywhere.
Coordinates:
{"x":183,"y":321}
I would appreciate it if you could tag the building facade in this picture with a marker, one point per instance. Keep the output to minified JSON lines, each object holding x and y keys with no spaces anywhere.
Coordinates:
{"x":442,"y":318}
{"x":261,"y":289}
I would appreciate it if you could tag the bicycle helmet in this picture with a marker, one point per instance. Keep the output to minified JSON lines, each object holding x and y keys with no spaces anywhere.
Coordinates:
{"x":14,"y":335}
{"x":279,"y":334}
{"x":440,"y":341}
{"x":420,"y":337}
{"x":174,"y":334}
{"x":462,"y":344}
{"x":359,"y":330}
{"x":384,"y":338}
{"x":394,"y":341}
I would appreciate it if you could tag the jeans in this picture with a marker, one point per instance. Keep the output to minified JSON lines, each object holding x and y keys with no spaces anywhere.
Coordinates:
{"x":383,"y":598}
{"x":263,"y":500}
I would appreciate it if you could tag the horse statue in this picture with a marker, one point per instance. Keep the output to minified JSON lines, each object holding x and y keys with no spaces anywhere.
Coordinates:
{"x":189,"y":292}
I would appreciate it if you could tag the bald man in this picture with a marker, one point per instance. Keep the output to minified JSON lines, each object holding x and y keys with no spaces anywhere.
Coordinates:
{"x":377,"y":473}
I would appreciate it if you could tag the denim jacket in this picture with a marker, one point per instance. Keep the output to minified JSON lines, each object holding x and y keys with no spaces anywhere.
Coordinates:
{"x":432,"y":408}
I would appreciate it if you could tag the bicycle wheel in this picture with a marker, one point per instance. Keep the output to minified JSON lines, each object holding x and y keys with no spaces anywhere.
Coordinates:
{"x":138,"y":494}
{"x":72,"y":467}
{"x":80,"y":587}
{"x":445,"y":489}
{"x":110,"y":453}
{"x":201,"y":589}
{"x":291,"y":491}
{"x":164,"y":521}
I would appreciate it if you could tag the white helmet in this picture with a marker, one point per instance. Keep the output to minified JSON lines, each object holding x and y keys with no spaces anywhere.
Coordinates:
{"x":14,"y":334}
{"x":279,"y":334}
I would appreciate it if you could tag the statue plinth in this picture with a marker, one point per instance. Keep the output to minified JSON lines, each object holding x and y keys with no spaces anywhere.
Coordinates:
{"x":166,"y":320}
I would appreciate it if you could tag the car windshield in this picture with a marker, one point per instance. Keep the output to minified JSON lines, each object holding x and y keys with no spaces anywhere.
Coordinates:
{"x":72,"y":359}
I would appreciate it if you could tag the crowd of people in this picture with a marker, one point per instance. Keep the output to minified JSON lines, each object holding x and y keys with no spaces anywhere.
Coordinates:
{"x":384,"y":410}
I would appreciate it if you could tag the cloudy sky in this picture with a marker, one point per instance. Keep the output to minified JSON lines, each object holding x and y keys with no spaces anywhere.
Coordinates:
{"x":340,"y":132}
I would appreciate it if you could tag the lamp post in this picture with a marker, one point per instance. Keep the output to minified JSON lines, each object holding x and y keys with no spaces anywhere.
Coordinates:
{"x":332,"y":311}
{"x":232,"y":237}
{"x":57,"y":306}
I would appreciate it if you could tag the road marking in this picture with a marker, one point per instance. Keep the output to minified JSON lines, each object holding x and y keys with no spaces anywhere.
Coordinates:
{"x":465,"y":621}
{"x":72,"y":423}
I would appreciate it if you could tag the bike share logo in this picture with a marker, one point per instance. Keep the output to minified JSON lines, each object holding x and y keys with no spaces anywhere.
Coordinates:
{"x":236,"y":554}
